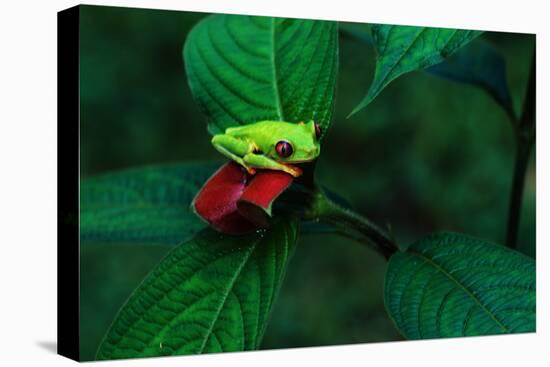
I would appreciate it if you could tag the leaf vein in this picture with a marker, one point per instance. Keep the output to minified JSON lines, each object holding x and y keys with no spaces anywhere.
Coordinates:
{"x":462,"y":287}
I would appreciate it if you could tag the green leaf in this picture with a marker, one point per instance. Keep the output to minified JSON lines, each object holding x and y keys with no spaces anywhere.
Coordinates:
{"x":243,"y":69}
{"x":450,"y":285}
{"x":149,"y":204}
{"x":478,"y":64}
{"x":481,"y":65}
{"x":402,"y":49}
{"x":211,"y":294}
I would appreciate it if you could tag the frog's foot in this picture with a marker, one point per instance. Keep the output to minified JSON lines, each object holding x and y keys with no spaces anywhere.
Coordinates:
{"x":251,"y":171}
{"x":261,"y":162}
{"x":293,"y":170}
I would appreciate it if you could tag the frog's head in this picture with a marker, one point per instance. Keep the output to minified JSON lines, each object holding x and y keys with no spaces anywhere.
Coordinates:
{"x":296,"y":143}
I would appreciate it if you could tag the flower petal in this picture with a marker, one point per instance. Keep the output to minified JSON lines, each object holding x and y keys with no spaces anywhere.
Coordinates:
{"x":258,"y":196}
{"x":216,"y":202}
{"x":233,"y":202}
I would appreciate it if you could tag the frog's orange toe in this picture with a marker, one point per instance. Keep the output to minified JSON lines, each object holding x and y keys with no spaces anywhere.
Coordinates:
{"x":293,"y":170}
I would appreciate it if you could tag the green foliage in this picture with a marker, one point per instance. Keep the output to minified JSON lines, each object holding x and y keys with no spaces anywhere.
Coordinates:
{"x":142,"y":205}
{"x":450,"y":285}
{"x":481,"y":65}
{"x":245,"y":69}
{"x":466,"y":160}
{"x":402,"y":49}
{"x":213,"y":293}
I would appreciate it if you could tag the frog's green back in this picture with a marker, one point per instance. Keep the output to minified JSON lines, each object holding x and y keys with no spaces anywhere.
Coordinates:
{"x":266,"y":134}
{"x":270,"y":128}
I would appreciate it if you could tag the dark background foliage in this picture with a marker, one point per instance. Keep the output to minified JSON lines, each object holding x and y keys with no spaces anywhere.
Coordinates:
{"x":427,"y":155}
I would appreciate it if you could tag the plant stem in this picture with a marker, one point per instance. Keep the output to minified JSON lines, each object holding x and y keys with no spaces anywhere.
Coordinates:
{"x":516,"y":194}
{"x":527,"y":122}
{"x":525,"y":136}
{"x":353,"y":225}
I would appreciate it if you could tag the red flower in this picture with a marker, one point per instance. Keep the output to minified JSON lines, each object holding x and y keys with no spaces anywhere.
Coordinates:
{"x":234,"y":202}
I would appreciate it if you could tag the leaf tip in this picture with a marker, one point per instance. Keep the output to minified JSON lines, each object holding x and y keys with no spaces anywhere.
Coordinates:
{"x":359,"y":106}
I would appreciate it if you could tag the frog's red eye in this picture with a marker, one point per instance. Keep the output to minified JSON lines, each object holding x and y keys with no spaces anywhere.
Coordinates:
{"x":283,"y":148}
{"x":318,"y":130}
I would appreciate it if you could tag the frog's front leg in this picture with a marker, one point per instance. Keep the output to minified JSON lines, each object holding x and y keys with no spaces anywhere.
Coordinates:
{"x":234,"y":149}
{"x":261,"y":161}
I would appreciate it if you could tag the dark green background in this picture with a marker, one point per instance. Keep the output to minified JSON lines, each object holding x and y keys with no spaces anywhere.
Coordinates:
{"x":426,"y":155}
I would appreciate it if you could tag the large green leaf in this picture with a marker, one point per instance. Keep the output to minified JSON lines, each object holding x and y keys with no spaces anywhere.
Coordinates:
{"x":450,"y":285}
{"x":243,"y":69}
{"x":402,"y":49}
{"x":213,"y":293}
{"x":149,"y":204}
{"x":478,"y":64}
{"x":481,"y":65}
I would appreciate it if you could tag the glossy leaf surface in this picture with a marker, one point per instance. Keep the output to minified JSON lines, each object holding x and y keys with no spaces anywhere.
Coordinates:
{"x":479,"y":64}
{"x":150,"y":204}
{"x":402,"y":49}
{"x":245,"y":69}
{"x":450,"y":285}
{"x":213,"y":293}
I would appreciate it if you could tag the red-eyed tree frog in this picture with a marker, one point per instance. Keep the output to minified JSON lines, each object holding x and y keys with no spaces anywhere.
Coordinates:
{"x":274,"y":145}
